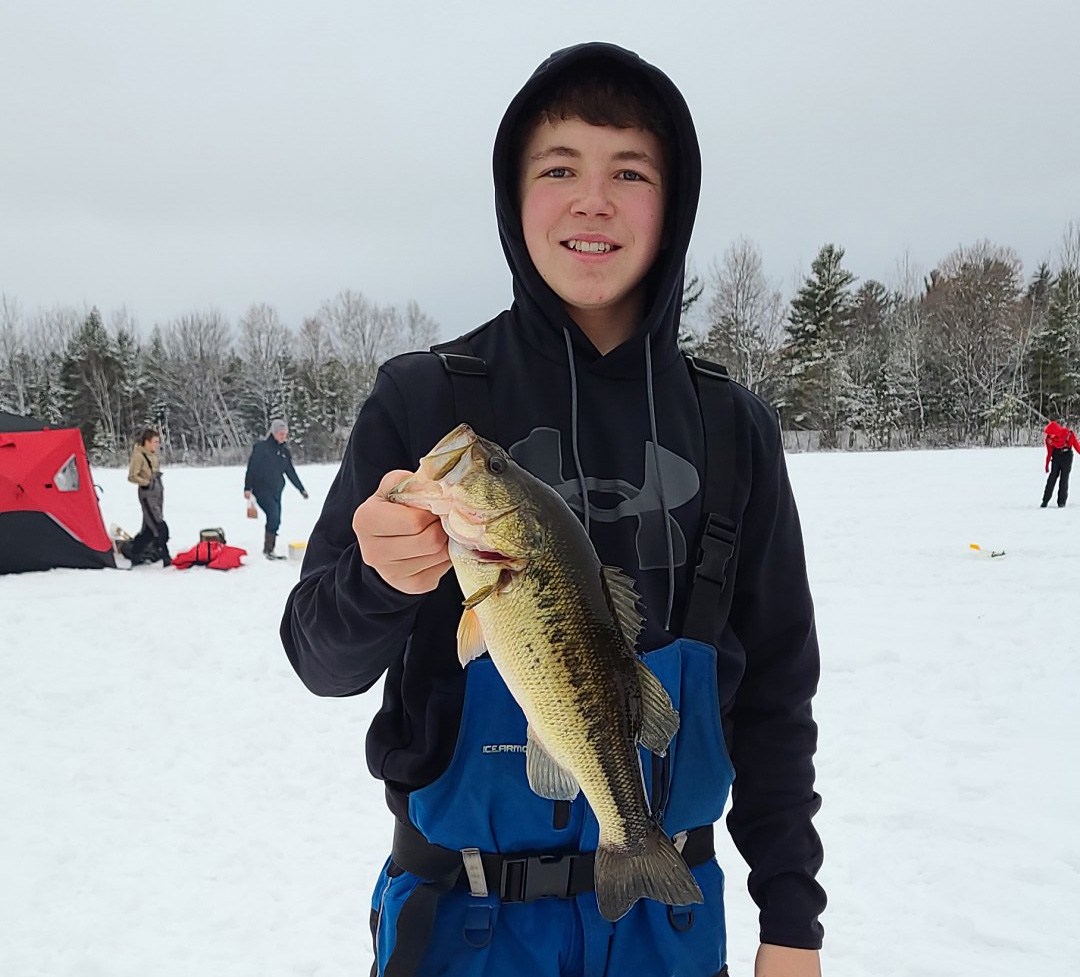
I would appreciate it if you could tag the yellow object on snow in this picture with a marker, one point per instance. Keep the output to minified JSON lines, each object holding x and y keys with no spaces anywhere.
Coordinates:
{"x":978,"y":549}
{"x":297,"y":550}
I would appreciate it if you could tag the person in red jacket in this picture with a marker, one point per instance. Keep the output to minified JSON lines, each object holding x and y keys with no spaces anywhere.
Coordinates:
{"x":1060,"y":444}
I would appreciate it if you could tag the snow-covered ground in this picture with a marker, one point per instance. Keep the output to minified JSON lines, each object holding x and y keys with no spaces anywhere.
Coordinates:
{"x":173,"y":802}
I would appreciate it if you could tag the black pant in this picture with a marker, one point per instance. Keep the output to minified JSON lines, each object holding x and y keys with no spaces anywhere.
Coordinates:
{"x":150,"y":544}
{"x":271,"y":505}
{"x":1060,"y":466}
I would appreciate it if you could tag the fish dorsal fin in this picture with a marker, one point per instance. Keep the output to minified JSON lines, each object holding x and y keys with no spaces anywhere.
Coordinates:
{"x":623,"y":599}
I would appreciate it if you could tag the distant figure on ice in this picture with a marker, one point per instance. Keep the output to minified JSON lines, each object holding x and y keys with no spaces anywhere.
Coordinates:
{"x":1060,"y":444}
{"x":151,"y":543}
{"x":269,"y":463}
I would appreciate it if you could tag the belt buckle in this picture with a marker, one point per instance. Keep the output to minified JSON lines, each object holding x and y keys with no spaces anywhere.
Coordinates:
{"x":535,"y":876}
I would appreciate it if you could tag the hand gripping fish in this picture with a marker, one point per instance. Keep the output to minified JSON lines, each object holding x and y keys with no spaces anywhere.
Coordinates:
{"x":561,"y":630}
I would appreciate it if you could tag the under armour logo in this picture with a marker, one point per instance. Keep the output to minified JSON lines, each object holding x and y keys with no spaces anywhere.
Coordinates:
{"x":541,"y":454}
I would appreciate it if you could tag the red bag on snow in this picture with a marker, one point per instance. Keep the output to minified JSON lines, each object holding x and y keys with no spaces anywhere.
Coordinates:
{"x":212,"y":554}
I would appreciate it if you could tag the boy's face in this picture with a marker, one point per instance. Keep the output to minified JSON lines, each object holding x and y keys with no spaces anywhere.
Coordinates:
{"x":592,"y":212}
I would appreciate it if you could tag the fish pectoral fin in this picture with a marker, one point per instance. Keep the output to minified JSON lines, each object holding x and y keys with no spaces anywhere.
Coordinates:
{"x":546,"y":777}
{"x":480,"y":596}
{"x":470,"y":638}
{"x":623,"y":600}
{"x":659,"y":719}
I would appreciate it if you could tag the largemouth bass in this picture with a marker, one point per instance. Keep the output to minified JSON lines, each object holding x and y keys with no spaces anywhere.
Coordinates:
{"x":561,"y":630}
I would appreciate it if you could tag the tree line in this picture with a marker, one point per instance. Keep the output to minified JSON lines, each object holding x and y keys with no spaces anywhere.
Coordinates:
{"x":209,"y":387}
{"x":974,"y":352}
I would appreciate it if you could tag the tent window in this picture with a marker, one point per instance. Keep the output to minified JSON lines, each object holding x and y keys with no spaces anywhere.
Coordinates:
{"x":67,"y":479}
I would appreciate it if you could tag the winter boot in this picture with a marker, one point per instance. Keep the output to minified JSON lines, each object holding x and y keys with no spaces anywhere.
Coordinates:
{"x":269,"y":542}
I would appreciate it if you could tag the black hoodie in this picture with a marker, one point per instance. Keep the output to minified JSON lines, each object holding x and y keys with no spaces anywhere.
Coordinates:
{"x":344,"y":627}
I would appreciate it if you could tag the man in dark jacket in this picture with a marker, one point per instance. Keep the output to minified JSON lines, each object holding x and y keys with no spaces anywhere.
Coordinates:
{"x":597,"y":172}
{"x":268,"y":465}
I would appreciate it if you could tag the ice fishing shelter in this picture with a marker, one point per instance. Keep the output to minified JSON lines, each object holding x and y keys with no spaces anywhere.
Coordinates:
{"x":49,"y":515}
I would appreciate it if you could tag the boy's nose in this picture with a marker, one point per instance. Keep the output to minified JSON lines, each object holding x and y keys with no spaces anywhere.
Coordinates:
{"x":593,"y":199}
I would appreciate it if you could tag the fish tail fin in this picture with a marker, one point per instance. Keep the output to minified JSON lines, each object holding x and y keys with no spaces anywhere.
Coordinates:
{"x":657,"y":872}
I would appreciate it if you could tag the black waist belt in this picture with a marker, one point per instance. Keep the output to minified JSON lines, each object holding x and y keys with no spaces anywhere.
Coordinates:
{"x":514,"y":877}
{"x":521,"y":877}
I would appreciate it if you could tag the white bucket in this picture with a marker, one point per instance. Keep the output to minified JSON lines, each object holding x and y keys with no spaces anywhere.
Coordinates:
{"x":297,"y":550}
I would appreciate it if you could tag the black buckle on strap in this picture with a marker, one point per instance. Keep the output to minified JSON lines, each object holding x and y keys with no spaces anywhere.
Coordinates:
{"x":709,"y":369}
{"x":471,"y":366}
{"x":531,"y":878}
{"x":717,"y":546}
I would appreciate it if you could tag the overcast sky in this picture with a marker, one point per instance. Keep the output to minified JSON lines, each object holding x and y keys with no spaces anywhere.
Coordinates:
{"x":169,"y":156}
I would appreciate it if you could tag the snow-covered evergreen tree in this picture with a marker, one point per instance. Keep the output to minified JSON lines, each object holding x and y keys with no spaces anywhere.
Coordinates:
{"x":874,"y":394}
{"x":1054,"y":363}
{"x":1045,"y":362}
{"x":818,"y":331}
{"x":15,"y":371}
{"x":92,"y":378}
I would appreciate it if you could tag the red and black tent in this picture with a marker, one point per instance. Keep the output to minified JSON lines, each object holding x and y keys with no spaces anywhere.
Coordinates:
{"x":49,"y":515}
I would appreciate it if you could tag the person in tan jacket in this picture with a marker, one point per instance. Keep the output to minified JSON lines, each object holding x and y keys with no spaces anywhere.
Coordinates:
{"x":151,"y":542}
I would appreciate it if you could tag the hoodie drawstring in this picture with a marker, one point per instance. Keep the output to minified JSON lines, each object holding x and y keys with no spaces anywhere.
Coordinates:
{"x":660,"y":485}
{"x":656,"y":462}
{"x":574,"y":425}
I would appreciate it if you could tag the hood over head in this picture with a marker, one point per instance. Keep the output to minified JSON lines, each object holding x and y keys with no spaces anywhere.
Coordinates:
{"x":538,"y":311}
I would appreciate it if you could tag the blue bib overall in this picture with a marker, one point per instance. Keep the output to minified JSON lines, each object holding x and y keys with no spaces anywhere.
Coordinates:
{"x":483,"y":801}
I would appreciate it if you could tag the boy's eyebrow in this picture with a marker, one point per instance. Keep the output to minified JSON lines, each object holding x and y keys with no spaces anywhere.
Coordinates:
{"x":635,"y":155}
{"x":626,"y":155}
{"x":554,"y":151}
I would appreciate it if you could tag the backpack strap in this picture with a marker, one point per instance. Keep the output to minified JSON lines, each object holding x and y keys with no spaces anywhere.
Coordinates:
{"x":468,"y":377}
{"x":711,"y":587}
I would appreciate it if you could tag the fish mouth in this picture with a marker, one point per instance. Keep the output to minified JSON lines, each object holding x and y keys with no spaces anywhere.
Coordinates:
{"x":479,"y":554}
{"x":438,"y":463}
{"x":459,"y":531}
{"x":418,"y":491}
{"x":426,"y":488}
{"x":439,"y":466}
{"x":490,"y":556}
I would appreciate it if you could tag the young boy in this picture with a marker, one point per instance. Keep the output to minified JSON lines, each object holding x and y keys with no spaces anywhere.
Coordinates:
{"x":596,"y":183}
{"x":151,"y":543}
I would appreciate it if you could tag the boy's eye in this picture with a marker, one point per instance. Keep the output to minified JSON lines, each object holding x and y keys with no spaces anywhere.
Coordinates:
{"x":557,"y":171}
{"x":631,"y":176}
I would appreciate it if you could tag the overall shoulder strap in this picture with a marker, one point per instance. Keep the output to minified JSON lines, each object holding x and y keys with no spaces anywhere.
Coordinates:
{"x":711,"y":586}
{"x":468,"y":377}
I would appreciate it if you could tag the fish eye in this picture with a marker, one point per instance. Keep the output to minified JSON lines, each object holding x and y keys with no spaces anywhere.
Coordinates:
{"x":496,"y":465}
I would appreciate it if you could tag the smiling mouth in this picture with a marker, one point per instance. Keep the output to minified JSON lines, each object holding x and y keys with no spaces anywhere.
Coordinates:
{"x":589,"y":247}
